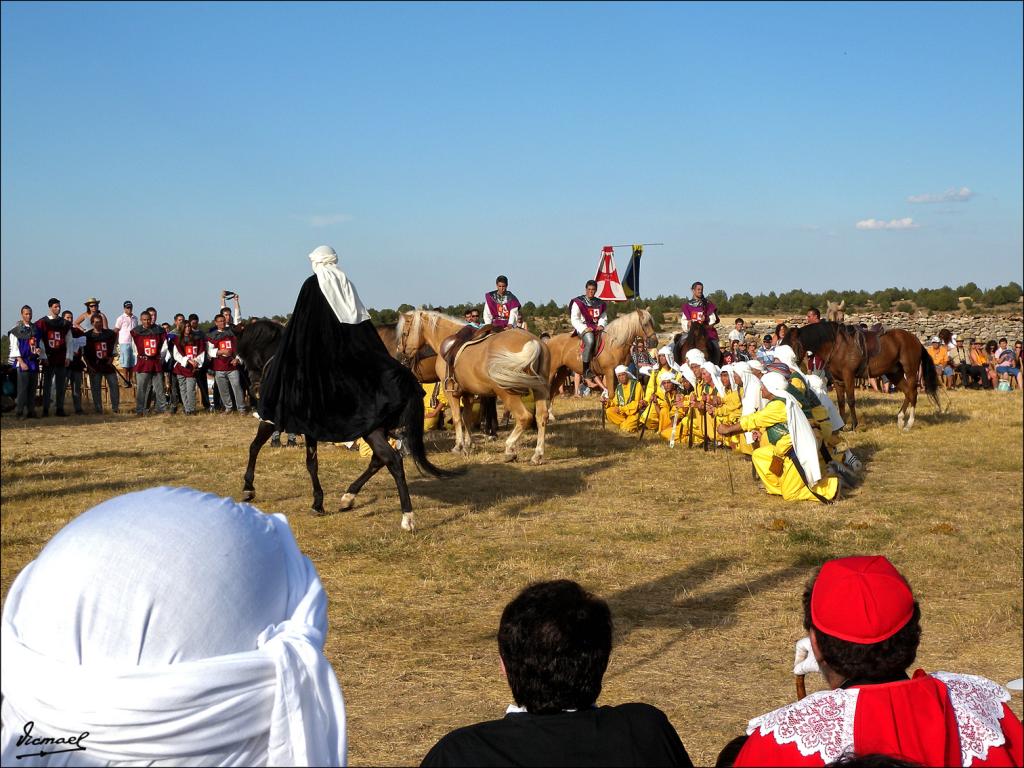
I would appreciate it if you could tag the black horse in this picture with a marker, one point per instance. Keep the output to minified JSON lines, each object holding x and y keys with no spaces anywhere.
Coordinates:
{"x":257,"y":346}
{"x":696,"y":338}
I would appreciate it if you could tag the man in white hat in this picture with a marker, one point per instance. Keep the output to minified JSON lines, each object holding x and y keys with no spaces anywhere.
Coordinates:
{"x":627,"y":402}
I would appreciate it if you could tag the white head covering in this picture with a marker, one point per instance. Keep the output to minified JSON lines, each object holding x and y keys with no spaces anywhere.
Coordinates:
{"x":756,"y":365}
{"x":173,"y":626}
{"x":689,"y":375}
{"x":751,"y":396}
{"x":695,"y":357}
{"x":667,"y":352}
{"x":645,"y":370}
{"x":804,"y":445}
{"x":935,"y":340}
{"x":665,"y":376}
{"x":785,"y":354}
{"x":817,"y":386}
{"x":716,"y":377}
{"x":335,"y":286}
{"x":623,"y":369}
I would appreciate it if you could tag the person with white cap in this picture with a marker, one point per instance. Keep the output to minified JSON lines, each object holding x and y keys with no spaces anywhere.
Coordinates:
{"x":332,"y":378}
{"x":654,"y":395}
{"x":627,"y":402}
{"x":864,"y":630}
{"x":788,"y":460}
{"x":169,"y":626}
{"x":939,"y":354}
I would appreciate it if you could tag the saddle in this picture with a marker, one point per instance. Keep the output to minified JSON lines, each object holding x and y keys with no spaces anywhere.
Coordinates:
{"x":869,"y":343}
{"x":598,"y":348}
{"x":453,"y":345}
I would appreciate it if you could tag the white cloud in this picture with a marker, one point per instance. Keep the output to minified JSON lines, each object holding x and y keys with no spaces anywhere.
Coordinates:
{"x":904,"y":223}
{"x":324,"y":219}
{"x":951,"y":195}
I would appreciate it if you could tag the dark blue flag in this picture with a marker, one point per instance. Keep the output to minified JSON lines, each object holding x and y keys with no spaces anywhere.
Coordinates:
{"x":631,"y":280}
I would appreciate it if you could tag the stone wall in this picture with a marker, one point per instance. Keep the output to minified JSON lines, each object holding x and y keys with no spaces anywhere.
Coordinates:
{"x":962,"y":324}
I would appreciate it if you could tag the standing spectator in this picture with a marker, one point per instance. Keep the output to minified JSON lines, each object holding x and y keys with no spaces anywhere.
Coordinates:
{"x":189,"y":350}
{"x":150,"y":345}
{"x":56,"y":335}
{"x":738,"y":333}
{"x":76,"y":366}
{"x":100,"y":345}
{"x":92,"y":306}
{"x":813,"y":316}
{"x":940,"y":359}
{"x":173,"y":391}
{"x":124,"y":325}
{"x":24,"y":340}
{"x":202,"y":382}
{"x":1007,"y":362}
{"x":224,"y":297}
{"x":222,"y":346}
{"x":554,"y":642}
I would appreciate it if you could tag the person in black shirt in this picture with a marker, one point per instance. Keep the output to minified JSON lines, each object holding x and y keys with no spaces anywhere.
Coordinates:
{"x":554,"y":642}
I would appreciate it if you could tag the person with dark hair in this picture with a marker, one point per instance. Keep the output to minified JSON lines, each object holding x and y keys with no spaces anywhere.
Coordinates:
{"x":813,"y":316}
{"x":699,"y":310}
{"x":100,"y":346}
{"x":124,"y":325}
{"x":189,"y":351}
{"x":222,"y":347}
{"x":55,"y":333}
{"x":150,"y":345}
{"x":76,"y":365}
{"x":554,"y":641}
{"x":25,"y":351}
{"x":92,"y":307}
{"x":588,"y":316}
{"x":501,"y":307}
{"x":864,"y":627}
{"x":202,"y":382}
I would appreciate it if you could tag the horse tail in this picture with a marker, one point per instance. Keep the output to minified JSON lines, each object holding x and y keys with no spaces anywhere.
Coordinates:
{"x":517,"y":371}
{"x":931,"y":378}
{"x":412,"y":420}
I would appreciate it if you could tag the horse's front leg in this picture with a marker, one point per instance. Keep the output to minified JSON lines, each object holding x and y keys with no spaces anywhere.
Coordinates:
{"x":313,"y":467}
{"x":263,"y":433}
{"x":851,"y":393}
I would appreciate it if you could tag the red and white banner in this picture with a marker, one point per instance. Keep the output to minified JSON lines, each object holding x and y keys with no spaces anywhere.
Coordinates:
{"x":609,"y":287}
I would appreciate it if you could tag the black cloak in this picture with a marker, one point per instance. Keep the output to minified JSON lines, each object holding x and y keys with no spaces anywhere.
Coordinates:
{"x":333,"y":381}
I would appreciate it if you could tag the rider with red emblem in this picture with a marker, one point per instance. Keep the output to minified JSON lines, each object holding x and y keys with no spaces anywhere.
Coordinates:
{"x":699,"y":310}
{"x":588,"y":317}
{"x":501,"y":308}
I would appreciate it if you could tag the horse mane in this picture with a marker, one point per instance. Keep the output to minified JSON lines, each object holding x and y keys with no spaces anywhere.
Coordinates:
{"x":258,"y":343}
{"x":814,"y":335}
{"x":618,"y":330}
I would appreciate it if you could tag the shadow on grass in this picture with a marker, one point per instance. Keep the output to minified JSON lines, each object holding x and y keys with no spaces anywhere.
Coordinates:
{"x":121,"y":486}
{"x":656,"y":605}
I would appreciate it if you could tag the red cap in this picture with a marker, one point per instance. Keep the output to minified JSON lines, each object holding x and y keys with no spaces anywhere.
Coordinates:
{"x":861,"y":600}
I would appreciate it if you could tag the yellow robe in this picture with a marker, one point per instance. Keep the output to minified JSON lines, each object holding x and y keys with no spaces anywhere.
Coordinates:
{"x":681,"y":412}
{"x":789,"y":485}
{"x":624,"y":406}
{"x":819,"y":417}
{"x":655,"y":398}
{"x":729,"y":413}
{"x":699,"y":418}
{"x":429,"y":393}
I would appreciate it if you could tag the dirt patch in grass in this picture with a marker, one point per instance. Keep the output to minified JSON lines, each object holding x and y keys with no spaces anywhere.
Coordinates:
{"x":704,"y":582}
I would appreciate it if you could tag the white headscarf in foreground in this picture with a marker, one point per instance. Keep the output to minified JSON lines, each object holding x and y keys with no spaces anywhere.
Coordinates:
{"x":804,"y":445}
{"x":695,"y":357}
{"x":716,"y":377}
{"x":814,"y":381}
{"x":175,"y":627}
{"x":755,"y":365}
{"x":785,"y":354}
{"x":335,"y":286}
{"x":687,"y":373}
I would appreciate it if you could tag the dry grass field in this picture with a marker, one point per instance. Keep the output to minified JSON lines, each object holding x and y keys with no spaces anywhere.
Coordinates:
{"x":704,"y":582}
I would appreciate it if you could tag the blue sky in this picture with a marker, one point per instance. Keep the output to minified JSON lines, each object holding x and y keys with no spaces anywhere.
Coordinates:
{"x":164,"y":152}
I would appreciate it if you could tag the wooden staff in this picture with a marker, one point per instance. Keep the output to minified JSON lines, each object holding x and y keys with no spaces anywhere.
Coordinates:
{"x":672,"y":437}
{"x":801,"y":687}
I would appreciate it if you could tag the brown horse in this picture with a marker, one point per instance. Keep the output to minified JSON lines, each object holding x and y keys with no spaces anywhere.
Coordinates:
{"x":695,"y":338}
{"x":617,"y":338}
{"x":422,"y":363}
{"x":849,"y":352}
{"x":507,"y":365}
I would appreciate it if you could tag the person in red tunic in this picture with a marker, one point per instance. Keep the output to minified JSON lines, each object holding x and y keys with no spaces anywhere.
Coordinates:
{"x":864,"y":628}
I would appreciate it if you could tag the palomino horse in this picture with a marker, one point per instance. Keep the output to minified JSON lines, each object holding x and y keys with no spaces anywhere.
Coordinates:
{"x":849,"y":352}
{"x":695,"y":338}
{"x":257,"y":346}
{"x":422,"y":363}
{"x":507,"y":365}
{"x":617,"y":340}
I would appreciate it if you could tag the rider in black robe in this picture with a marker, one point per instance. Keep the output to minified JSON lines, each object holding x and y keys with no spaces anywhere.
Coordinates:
{"x":330,"y":380}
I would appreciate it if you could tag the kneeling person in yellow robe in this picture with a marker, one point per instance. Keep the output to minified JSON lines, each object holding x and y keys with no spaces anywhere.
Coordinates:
{"x":434,"y":402}
{"x":789,"y":441}
{"x":624,"y":408}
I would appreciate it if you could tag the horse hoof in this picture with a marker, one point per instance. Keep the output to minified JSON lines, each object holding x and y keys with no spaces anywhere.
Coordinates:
{"x":347,"y":502}
{"x":408,"y":521}
{"x":315,"y":512}
{"x":248,"y":495}
{"x":537,"y":460}
{"x":510,"y":457}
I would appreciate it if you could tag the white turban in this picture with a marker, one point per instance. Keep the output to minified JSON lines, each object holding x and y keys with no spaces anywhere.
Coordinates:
{"x":665,"y":376}
{"x":623,"y":369}
{"x":785,"y":354}
{"x":804,"y":445}
{"x":756,"y":365}
{"x":689,"y":375}
{"x":335,"y":286}
{"x":666,"y":351}
{"x":716,"y":377}
{"x":695,"y":357}
{"x":174,"y":626}
{"x":818,"y":387}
